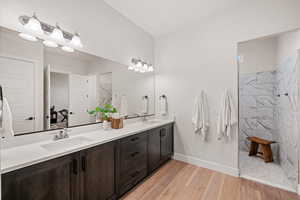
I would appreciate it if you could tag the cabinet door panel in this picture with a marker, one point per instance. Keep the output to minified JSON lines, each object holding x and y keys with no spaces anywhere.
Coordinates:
{"x":166,"y":135}
{"x":52,"y":180}
{"x":98,"y":172}
{"x":154,"y":149}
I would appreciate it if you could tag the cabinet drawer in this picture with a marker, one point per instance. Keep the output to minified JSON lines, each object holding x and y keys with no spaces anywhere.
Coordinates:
{"x":131,"y":179}
{"x":134,"y":139}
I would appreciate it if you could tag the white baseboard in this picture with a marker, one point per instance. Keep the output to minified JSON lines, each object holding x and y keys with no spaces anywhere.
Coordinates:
{"x":207,"y":164}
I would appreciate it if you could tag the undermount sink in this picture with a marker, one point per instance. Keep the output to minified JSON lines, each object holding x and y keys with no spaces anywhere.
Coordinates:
{"x":65,"y":143}
{"x":152,"y":121}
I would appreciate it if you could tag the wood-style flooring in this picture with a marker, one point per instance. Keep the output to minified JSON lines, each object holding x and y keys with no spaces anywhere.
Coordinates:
{"x":181,"y":181}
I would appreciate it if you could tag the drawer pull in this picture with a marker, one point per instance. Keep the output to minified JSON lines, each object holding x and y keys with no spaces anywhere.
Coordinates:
{"x":134,"y":154}
{"x":75,"y":167}
{"x":133,"y":175}
{"x":134,"y":139}
{"x":83,"y":163}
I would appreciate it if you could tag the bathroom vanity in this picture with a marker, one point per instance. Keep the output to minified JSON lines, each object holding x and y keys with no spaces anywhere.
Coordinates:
{"x":104,"y":166}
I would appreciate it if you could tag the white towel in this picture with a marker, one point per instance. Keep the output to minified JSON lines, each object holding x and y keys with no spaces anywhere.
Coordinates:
{"x":200,"y":118}
{"x":7,"y":120}
{"x":227,"y":116}
{"x":163,"y":107}
{"x":123,"y":106}
{"x":145,"y":106}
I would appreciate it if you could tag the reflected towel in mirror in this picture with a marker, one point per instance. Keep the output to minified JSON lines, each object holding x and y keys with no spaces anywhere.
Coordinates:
{"x":7,"y":120}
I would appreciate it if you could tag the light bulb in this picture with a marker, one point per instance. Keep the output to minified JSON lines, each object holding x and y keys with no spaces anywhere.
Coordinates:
{"x":130,"y":67}
{"x":150,"y":69}
{"x":28,"y":37}
{"x":50,"y":43}
{"x":67,"y":49}
{"x":76,"y":42}
{"x":57,"y":35}
{"x":34,"y":25}
{"x":145,"y":67}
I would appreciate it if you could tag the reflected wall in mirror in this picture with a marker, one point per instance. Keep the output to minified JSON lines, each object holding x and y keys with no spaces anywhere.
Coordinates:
{"x":46,"y":88}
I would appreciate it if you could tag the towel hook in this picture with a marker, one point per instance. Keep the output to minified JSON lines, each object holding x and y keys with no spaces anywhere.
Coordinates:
{"x":285,"y":94}
{"x":163,"y":97}
{"x":145,"y":97}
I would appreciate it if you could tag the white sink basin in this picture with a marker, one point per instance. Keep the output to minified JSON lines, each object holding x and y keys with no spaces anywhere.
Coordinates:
{"x":65,"y":143}
{"x":152,"y":121}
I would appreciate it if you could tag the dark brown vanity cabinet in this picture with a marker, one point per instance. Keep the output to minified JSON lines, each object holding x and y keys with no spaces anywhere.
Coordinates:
{"x":160,"y":146}
{"x":132,"y":161}
{"x":86,"y":175}
{"x":57,"y":179}
{"x":97,"y":175}
{"x":104,"y":172}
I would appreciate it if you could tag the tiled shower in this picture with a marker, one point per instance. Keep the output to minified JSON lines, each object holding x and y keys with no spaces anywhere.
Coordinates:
{"x":268,"y":110}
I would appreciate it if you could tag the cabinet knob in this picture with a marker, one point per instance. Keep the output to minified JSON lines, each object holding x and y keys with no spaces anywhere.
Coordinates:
{"x":134,"y":139}
{"x":134,"y":154}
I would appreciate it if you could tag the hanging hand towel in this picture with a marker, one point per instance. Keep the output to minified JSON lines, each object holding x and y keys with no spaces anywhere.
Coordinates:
{"x":7,"y":120}
{"x":145,"y":105}
{"x":200,"y":118}
{"x":227,"y":116}
{"x":123,"y":106}
{"x":163,"y":106}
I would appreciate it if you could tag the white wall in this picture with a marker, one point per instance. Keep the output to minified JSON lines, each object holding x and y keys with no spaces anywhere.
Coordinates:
{"x":104,"y":31}
{"x":288,"y":45}
{"x":259,"y":55}
{"x":203,"y":57}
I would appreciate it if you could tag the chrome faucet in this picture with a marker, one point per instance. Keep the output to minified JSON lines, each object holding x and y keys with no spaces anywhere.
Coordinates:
{"x":61,"y":134}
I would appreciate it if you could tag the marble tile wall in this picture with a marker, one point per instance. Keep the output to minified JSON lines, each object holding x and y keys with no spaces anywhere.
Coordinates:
{"x":264,"y":114}
{"x":286,"y":116}
{"x":257,"y":108}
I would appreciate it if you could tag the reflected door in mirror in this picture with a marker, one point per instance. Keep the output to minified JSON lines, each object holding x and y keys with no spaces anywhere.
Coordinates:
{"x":17,"y":78}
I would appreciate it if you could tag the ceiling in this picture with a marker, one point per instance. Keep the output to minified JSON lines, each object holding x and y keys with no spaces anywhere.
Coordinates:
{"x":160,"y":17}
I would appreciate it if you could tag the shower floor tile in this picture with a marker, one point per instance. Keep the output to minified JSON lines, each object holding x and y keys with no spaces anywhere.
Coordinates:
{"x":256,"y":169}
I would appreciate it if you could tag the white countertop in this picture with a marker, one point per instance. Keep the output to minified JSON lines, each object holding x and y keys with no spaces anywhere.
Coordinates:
{"x":25,"y":155}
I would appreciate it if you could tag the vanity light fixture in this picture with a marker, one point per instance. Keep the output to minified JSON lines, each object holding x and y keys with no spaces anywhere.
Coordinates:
{"x":28,"y":37}
{"x":57,"y":35}
{"x":50,"y":43}
{"x":76,"y":41}
{"x":52,"y":36}
{"x":67,"y":49}
{"x":33,"y":25}
{"x":140,"y":66}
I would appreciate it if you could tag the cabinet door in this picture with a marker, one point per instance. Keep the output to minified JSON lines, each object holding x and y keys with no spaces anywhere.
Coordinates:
{"x":154,"y":149}
{"x":98,"y":173}
{"x":166,"y":135}
{"x":57,"y":179}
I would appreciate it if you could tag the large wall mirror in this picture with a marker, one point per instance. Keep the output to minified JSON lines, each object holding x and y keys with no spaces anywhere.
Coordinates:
{"x":47,"y":88}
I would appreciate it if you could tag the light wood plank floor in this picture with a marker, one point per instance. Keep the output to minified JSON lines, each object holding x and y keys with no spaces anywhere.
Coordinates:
{"x":181,"y":181}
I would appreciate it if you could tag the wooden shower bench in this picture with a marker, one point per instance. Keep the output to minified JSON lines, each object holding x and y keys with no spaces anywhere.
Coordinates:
{"x":266,"y":153}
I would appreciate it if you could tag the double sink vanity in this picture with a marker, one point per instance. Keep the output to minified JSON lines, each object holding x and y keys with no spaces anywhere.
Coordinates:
{"x":90,"y":165}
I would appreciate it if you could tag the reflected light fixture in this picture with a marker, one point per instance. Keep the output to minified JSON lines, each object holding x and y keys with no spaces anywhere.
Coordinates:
{"x":140,"y":66}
